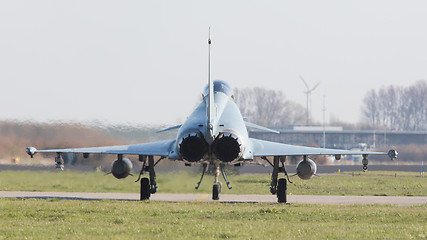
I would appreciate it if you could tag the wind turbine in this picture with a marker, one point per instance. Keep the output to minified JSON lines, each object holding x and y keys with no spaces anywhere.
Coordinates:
{"x":308,"y":93}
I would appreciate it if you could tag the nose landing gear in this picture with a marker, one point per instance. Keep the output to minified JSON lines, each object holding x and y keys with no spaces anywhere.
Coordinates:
{"x":217,"y":186}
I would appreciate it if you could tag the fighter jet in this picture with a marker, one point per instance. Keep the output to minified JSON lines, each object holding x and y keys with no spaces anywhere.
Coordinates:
{"x":214,"y":134}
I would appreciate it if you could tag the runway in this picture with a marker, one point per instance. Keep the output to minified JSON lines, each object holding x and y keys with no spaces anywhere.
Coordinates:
{"x":225,"y":198}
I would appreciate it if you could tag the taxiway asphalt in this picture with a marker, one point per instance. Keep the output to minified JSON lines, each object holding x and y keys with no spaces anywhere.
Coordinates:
{"x":228,"y":198}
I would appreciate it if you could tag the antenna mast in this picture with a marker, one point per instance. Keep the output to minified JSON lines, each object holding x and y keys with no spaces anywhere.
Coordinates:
{"x":210,"y":104}
{"x":209,"y":56}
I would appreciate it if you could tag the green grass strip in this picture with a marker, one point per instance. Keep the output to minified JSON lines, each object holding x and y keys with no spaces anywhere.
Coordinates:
{"x":359,"y":184}
{"x":70,"y":219}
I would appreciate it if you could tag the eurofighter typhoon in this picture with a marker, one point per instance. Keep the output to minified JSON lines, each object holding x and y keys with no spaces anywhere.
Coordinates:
{"x":214,"y":134}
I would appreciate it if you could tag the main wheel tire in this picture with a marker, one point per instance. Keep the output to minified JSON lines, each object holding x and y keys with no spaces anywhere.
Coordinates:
{"x":281,"y":190}
{"x":145,"y":189}
{"x":215,"y":192}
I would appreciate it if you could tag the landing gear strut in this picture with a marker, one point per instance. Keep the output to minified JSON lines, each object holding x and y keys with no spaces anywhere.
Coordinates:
{"x":148,"y":185}
{"x":365,"y":162}
{"x":279,"y":186}
{"x":222,"y":166}
{"x":59,"y":161}
{"x":217,"y":187}
{"x":153,"y":184}
{"x":205,"y":165}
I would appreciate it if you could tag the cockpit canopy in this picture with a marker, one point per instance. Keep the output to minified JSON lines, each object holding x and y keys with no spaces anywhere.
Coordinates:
{"x":219,"y":86}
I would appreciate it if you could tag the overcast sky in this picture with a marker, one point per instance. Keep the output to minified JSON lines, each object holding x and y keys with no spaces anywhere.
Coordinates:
{"x":146,"y":61}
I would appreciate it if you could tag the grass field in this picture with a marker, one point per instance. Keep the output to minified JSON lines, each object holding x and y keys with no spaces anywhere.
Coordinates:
{"x":368,"y":184}
{"x":70,"y":219}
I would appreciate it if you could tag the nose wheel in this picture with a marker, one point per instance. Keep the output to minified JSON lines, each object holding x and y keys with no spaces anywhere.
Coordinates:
{"x":216,"y":189}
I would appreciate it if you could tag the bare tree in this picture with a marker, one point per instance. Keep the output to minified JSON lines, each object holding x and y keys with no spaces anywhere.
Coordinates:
{"x":417,"y":103}
{"x":369,"y":109}
{"x":268,"y":107}
{"x":397,"y":107}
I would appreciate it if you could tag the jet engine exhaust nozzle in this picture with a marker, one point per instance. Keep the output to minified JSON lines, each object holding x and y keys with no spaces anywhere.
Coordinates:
{"x":306,"y":169}
{"x":121,"y":168}
{"x":193,"y":147}
{"x":227,"y":147}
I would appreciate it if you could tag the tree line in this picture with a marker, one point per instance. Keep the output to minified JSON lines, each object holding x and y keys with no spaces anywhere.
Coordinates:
{"x":391,"y":107}
{"x":16,"y":136}
{"x":397,"y":108}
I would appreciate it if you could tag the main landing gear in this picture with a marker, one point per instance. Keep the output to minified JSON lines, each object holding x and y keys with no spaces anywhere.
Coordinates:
{"x":148,"y":185}
{"x":217,"y":187}
{"x":59,"y":162}
{"x":364,"y":161}
{"x":279,"y":186}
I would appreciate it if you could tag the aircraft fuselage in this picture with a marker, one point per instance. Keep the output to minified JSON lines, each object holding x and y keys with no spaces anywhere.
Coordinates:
{"x":223,"y":138}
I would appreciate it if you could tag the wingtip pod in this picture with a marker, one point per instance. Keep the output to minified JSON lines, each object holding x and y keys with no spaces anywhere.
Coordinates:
{"x":31,"y":151}
{"x":392,"y":154}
